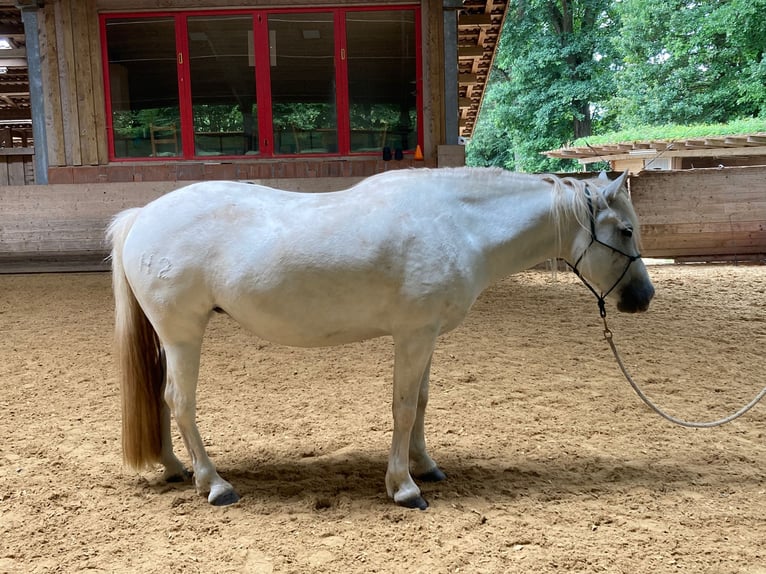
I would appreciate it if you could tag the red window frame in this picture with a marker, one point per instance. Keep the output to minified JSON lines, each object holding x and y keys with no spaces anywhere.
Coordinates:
{"x":263,"y":80}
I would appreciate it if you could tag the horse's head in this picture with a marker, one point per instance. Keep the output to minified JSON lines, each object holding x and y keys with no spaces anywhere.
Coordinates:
{"x":606,"y":246}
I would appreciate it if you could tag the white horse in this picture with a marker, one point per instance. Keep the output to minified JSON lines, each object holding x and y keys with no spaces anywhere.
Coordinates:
{"x":405,"y":253}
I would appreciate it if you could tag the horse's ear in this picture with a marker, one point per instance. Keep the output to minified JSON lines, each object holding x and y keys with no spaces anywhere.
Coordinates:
{"x":602,"y":176}
{"x":611,"y":191}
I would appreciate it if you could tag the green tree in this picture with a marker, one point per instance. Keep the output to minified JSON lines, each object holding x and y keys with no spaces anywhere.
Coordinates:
{"x":690,"y":61}
{"x":553,"y":64}
{"x":572,"y":68}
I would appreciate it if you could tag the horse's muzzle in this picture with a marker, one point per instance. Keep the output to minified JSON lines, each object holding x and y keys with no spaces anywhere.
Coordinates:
{"x":635,"y":298}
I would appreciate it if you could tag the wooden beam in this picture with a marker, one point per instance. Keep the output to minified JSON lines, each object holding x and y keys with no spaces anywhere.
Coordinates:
{"x":13,"y":53}
{"x":473,"y":20}
{"x":13,"y":62}
{"x":710,"y":152}
{"x":12,"y":30}
{"x":8,"y":92}
{"x":16,"y":114}
{"x":470,"y":52}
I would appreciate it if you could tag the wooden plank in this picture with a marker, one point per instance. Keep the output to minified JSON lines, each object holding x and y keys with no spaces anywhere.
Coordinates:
{"x":741,"y":229}
{"x":67,"y":73}
{"x":433,"y":72}
{"x":698,"y":238}
{"x":15,"y":170}
{"x":470,"y":52}
{"x":709,"y":152}
{"x":4,"y":173}
{"x":97,"y":78}
{"x":17,"y":151}
{"x":81,"y":17}
{"x":54,"y":124}
{"x":473,"y":20}
{"x":720,"y":246}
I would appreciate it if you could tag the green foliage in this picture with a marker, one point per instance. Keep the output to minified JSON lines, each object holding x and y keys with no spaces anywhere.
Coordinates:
{"x":218,"y":118}
{"x":135,"y":124}
{"x":569,"y":69}
{"x":376,"y":115}
{"x":302,"y":116}
{"x":553,"y":60}
{"x":688,"y":62}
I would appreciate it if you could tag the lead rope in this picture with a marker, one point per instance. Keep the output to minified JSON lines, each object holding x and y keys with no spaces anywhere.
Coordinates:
{"x":610,"y":339}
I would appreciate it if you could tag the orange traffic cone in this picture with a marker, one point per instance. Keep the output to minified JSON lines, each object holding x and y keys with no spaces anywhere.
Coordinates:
{"x":418,"y":154}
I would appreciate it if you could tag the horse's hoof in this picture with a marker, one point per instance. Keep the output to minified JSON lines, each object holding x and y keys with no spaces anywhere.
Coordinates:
{"x":224,"y":498}
{"x":433,"y":475}
{"x":415,"y":502}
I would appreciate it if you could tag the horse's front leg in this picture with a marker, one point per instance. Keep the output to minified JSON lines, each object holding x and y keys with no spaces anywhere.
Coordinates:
{"x":423,"y":466}
{"x":180,"y":390}
{"x":412,"y":355}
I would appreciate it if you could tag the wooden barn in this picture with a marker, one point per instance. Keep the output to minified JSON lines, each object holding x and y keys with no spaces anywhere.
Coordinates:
{"x":106,"y":104}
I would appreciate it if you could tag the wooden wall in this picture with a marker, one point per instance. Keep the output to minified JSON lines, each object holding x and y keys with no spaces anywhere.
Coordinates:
{"x":73,"y":83}
{"x":61,"y":227}
{"x":702,"y":214}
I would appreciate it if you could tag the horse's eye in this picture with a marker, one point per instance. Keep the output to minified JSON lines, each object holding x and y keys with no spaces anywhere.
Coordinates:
{"x":627,"y":232}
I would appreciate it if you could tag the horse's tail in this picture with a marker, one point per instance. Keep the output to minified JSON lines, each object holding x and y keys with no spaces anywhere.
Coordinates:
{"x":140,"y":359}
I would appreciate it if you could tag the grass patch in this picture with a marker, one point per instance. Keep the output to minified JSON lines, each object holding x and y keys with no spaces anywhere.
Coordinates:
{"x":676,"y":132}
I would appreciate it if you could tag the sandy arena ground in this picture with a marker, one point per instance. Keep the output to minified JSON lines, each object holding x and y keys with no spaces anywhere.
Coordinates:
{"x":553,"y":463}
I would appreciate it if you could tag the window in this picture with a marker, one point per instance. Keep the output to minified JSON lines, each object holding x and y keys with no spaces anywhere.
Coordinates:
{"x":382,"y":73}
{"x":272,"y":82}
{"x":143,"y":87}
{"x":222,"y":74}
{"x":303,"y":94}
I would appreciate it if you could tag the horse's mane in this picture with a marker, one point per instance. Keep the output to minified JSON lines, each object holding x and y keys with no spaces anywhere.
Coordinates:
{"x":565,"y":204}
{"x":576,"y":204}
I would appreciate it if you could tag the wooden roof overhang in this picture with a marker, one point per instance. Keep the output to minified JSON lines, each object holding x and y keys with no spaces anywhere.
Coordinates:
{"x":480,"y":23}
{"x":715,"y":146}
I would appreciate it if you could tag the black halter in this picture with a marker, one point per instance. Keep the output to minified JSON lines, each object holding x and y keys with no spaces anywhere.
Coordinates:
{"x":593,"y":239}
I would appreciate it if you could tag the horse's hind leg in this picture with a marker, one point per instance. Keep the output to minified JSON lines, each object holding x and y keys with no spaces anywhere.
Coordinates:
{"x":175,"y":471}
{"x":182,"y":372}
{"x":412,"y":353}
{"x":423,"y":466}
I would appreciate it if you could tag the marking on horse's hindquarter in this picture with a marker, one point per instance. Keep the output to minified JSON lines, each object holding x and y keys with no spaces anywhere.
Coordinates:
{"x":146,"y":263}
{"x":164,"y":272}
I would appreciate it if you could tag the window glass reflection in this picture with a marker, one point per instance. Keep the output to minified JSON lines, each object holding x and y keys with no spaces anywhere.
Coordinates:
{"x":222,"y":67}
{"x":302,"y":64}
{"x":382,"y":80}
{"x":143,"y":87}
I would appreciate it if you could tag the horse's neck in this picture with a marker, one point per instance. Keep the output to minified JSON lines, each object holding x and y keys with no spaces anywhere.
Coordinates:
{"x":517,"y":231}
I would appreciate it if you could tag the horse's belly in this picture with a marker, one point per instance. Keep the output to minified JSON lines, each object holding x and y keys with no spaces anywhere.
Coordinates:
{"x":309,"y":330}
{"x":316,"y":318}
